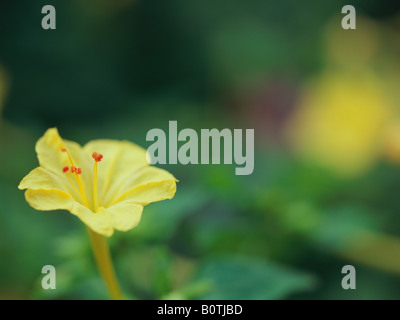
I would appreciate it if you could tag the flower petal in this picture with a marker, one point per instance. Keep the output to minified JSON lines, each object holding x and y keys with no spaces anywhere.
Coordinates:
{"x":47,"y":191}
{"x":48,"y":149}
{"x":49,"y":199}
{"x":51,"y":157}
{"x":100,"y":222}
{"x":53,"y":199}
{"x":120,"y":160}
{"x":41,"y":178}
{"x":124,"y":215}
{"x":150,"y":184}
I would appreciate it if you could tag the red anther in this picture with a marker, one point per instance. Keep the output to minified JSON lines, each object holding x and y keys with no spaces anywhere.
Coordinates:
{"x":78,"y":171}
{"x":97,"y":156}
{"x":73,"y":169}
{"x":63,"y":149}
{"x":65,"y":169}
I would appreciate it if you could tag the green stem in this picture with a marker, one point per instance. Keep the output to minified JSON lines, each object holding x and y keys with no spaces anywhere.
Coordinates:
{"x":104,"y":263}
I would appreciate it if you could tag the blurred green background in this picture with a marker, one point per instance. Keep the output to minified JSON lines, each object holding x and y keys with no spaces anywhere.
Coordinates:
{"x":325,"y":106}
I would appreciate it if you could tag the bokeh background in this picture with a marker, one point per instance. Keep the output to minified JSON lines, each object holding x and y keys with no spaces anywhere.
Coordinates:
{"x":325,"y":106}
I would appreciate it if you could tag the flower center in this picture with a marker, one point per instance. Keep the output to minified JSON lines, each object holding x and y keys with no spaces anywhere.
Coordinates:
{"x":76,"y":173}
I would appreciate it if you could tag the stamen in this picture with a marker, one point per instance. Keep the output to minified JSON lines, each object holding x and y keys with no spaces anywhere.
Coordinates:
{"x":65,"y":170}
{"x":97,"y":158}
{"x":63,"y":149}
{"x":74,"y":170}
{"x":77,"y":172}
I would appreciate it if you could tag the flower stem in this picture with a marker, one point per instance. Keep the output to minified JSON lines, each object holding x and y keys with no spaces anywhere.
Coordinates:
{"x":104,"y":263}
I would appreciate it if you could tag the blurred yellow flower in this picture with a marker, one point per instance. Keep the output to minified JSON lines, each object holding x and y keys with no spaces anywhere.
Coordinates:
{"x":106,"y":193}
{"x":346,"y":119}
{"x":341,"y":121}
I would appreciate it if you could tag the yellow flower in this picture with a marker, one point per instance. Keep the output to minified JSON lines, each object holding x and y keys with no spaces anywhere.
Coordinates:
{"x":341,"y":121}
{"x":105,"y":184}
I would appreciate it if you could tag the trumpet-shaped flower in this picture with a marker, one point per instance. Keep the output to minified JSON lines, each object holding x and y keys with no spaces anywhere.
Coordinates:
{"x":105,"y":183}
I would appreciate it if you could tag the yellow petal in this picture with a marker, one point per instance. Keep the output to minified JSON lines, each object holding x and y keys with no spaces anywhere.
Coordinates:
{"x":48,"y":191}
{"x":48,"y":149}
{"x":150,"y":184}
{"x":50,"y":199}
{"x":124,"y":215}
{"x":120,"y":160}
{"x":40,"y":178}
{"x":53,"y":199}
{"x":100,"y":222}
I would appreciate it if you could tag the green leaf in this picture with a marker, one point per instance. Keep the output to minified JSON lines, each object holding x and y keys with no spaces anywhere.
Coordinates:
{"x":340,"y":225}
{"x":250,"y":278}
